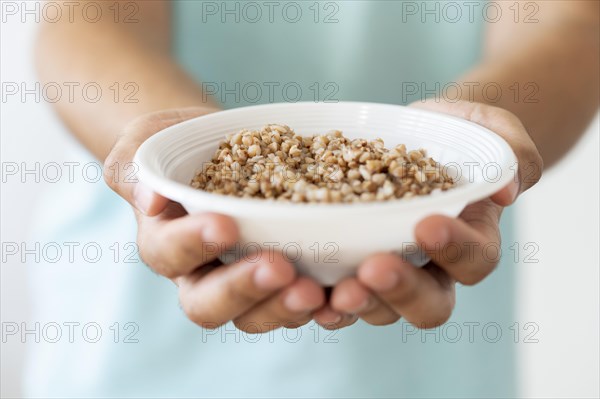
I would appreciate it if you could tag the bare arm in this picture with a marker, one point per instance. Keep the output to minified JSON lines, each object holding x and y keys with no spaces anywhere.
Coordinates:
{"x":106,"y":53}
{"x":263,"y":294}
{"x":556,"y":60}
{"x":559,"y":54}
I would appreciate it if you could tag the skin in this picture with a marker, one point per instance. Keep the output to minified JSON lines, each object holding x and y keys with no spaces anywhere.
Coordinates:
{"x":559,"y":54}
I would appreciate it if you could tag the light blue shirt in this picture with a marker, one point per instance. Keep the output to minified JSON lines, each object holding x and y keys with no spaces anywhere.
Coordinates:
{"x":376,"y":51}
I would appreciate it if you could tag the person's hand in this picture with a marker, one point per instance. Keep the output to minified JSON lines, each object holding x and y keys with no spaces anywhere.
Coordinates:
{"x":257,"y":295}
{"x":387,"y":287}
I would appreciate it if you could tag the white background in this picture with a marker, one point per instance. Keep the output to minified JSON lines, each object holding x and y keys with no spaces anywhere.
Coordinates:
{"x":560,"y":293}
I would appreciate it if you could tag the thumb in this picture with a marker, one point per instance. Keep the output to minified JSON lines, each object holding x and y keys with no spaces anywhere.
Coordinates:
{"x":509,"y":127}
{"x":119,"y":169}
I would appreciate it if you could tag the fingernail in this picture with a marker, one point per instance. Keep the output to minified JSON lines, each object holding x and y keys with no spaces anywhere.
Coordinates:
{"x":330,"y":315}
{"x":513,"y":190}
{"x":386,"y":284}
{"x":363,"y":306}
{"x":295,"y":303}
{"x":266,"y":279}
{"x":142,"y":197}
{"x":440,"y":237}
{"x":213,"y":233}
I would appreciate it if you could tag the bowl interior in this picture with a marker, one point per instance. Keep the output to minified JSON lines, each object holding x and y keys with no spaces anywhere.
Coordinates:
{"x":480,"y":161}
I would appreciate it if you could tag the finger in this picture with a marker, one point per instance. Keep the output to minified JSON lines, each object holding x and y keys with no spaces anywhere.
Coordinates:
{"x":509,"y":127}
{"x":174,"y":243}
{"x":423,"y":296}
{"x":214,"y":298}
{"x":331,"y":319}
{"x":290,"y":308}
{"x":467,"y":248}
{"x":119,"y":170}
{"x":351,"y":297}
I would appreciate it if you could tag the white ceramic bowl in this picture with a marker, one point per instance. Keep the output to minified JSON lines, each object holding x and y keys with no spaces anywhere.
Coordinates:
{"x":329,"y":241}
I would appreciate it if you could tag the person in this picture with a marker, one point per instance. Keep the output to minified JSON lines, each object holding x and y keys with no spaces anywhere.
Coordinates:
{"x":531,"y":78}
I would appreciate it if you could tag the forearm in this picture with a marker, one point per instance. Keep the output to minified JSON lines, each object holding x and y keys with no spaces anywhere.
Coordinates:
{"x":108,"y":53}
{"x":547,"y":72}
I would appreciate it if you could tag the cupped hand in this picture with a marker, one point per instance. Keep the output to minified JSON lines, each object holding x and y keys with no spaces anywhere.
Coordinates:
{"x":387,"y":287}
{"x":257,"y":294}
